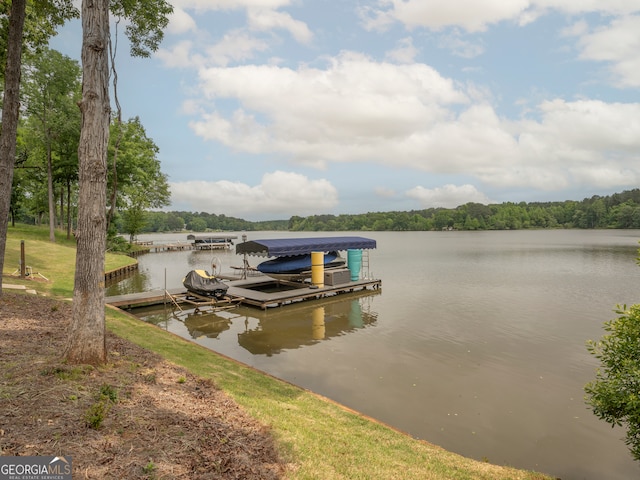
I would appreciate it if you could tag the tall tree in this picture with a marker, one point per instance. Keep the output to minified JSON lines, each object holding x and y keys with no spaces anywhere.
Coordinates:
{"x":47,"y":14}
{"x":86,"y":342}
{"x":10,"y":118}
{"x":142,"y":185}
{"x":51,"y":90}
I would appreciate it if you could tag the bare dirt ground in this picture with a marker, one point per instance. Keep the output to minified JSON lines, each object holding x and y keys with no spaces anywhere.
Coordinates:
{"x":136,"y":417}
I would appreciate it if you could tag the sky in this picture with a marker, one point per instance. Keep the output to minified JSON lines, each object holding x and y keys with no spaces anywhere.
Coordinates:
{"x":265,"y":109}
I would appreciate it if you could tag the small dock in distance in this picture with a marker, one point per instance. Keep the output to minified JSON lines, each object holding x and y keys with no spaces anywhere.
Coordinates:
{"x":151,"y":247}
{"x":262,"y":292}
{"x":194,"y":242}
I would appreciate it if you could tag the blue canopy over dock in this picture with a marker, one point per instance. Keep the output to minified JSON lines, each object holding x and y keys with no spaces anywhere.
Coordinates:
{"x":287,"y":247}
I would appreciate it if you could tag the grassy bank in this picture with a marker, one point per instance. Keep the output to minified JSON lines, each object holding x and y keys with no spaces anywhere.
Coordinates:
{"x":54,"y":261}
{"x":322,"y":439}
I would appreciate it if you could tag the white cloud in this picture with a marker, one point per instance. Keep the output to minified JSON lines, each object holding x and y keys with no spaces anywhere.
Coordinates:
{"x":617,"y":43}
{"x":252,"y":89}
{"x":576,"y":29}
{"x":587,"y":142}
{"x":478,"y":15}
{"x":235,"y":46}
{"x":267,"y":19}
{"x":593,"y":125}
{"x":180,"y":22}
{"x":358,"y":110}
{"x":190,"y":107}
{"x":204,"y":48}
{"x":180,"y":55}
{"x":405,"y":52}
{"x":470,"y":15}
{"x":574,"y":7}
{"x":355,"y":109}
{"x":460,"y":47}
{"x":213,"y":5}
{"x":448,"y":196}
{"x":278,"y":192}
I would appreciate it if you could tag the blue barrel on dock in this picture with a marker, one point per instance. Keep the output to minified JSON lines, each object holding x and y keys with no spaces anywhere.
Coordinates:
{"x":354,"y":263}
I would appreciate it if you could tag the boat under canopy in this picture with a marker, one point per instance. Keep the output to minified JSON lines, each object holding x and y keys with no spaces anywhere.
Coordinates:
{"x":287,"y":247}
{"x":298,"y":265}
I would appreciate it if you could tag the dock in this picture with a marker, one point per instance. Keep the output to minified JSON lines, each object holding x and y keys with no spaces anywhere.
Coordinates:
{"x":266,"y":292}
{"x":150,"y":247}
{"x":212,"y":242}
{"x":194,"y":242}
{"x":261,"y":292}
{"x":293,"y":278}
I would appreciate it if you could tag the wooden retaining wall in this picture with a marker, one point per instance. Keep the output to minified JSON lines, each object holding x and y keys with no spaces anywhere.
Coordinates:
{"x":120,"y":272}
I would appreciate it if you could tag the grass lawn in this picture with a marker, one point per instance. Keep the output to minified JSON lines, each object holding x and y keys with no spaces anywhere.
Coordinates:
{"x":321,"y":438}
{"x":54,"y":261}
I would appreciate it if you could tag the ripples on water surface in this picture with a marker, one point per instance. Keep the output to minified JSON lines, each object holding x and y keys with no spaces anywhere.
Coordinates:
{"x":476,"y":342}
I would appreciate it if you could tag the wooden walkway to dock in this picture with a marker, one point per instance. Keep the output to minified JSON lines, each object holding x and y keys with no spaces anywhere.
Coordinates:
{"x":262,"y":292}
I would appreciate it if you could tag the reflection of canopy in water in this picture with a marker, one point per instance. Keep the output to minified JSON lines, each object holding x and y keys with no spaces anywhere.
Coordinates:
{"x":286,"y":247}
{"x":302,"y":325}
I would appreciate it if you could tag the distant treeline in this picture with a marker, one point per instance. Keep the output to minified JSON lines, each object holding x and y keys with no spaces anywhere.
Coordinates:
{"x":620,"y":210}
{"x":202,"y":221}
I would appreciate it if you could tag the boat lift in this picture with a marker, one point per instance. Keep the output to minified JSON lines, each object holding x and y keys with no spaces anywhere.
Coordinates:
{"x":202,"y":303}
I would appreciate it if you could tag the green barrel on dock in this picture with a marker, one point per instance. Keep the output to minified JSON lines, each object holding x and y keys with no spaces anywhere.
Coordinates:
{"x":354,"y":263}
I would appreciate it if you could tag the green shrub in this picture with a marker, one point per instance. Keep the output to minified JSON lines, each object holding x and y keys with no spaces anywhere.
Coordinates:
{"x":615,"y":394}
{"x":98,"y":411}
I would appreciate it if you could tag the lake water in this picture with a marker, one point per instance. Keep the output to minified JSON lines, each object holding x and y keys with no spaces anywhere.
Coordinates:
{"x":476,"y":341}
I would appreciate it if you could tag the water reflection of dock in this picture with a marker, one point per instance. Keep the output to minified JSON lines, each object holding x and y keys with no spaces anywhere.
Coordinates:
{"x":272,"y":331}
{"x":306,"y":324}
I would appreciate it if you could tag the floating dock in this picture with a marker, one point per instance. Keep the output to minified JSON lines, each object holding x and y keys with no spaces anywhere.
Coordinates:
{"x":300,"y":274}
{"x":194,"y":242}
{"x":212,"y":242}
{"x":262,"y":292}
{"x":265,"y":292}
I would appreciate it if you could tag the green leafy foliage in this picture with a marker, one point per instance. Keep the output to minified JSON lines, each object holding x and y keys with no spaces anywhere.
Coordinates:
{"x":97,"y":412}
{"x":620,"y":210}
{"x":145,"y":23}
{"x":51,"y":89}
{"x":615,"y":394}
{"x":42,"y":19}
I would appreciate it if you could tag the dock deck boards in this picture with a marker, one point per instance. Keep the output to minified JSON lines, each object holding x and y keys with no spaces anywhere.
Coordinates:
{"x":257,"y":292}
{"x":298,"y":292}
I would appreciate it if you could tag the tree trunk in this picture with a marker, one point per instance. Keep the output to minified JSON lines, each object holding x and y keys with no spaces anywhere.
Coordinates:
{"x":61,"y":213}
{"x":10,"y":112}
{"x":50,"y":196}
{"x":68,"y":208}
{"x":86,"y":343}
